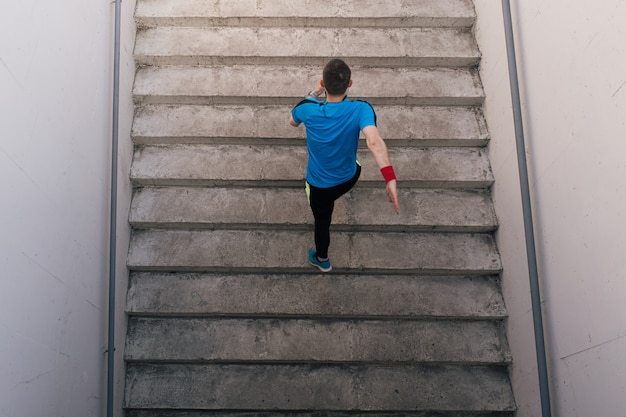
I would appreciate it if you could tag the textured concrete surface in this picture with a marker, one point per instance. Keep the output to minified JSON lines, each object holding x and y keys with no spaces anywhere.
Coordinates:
{"x":249,"y":250}
{"x":315,"y":295}
{"x":226,"y":317}
{"x":417,"y":13}
{"x":325,"y":413}
{"x":361,"y":209}
{"x":268,"y":84}
{"x":305,"y":387}
{"x":399,"y":125}
{"x":200,"y":164}
{"x":360,"y":46}
{"x":319,"y":340}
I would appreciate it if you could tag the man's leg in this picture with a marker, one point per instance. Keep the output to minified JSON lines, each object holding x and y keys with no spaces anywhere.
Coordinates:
{"x":322,"y":206}
{"x":322,"y":202}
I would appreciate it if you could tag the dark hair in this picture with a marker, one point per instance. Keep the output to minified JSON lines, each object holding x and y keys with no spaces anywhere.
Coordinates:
{"x":336,"y":77}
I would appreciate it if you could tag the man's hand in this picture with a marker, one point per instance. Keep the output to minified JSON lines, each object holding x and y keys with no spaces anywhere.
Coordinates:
{"x":319,"y":88}
{"x":392,"y":193}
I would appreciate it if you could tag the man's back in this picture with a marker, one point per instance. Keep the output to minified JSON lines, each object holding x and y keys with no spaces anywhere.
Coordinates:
{"x":332,"y":137}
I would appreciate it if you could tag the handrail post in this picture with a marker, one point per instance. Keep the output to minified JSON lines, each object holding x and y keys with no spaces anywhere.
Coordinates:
{"x":113,"y":215}
{"x":531,"y":253}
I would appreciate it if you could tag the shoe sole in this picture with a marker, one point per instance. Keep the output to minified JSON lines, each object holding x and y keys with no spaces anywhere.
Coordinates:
{"x":320,"y":268}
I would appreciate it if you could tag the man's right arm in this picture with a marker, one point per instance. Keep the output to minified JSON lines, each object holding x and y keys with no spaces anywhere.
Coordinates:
{"x":377,"y":146}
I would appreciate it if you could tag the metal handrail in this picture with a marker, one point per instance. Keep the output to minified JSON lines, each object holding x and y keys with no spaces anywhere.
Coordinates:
{"x":542,"y":368}
{"x":113,"y":214}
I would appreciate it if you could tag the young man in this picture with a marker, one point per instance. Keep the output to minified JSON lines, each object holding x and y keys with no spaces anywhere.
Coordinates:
{"x":332,"y":129}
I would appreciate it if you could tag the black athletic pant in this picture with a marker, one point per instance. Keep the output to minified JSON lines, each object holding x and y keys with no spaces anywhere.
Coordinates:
{"x":322,"y":202}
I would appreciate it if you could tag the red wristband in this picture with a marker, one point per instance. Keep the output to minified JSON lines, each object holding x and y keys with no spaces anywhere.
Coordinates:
{"x":388,"y":173}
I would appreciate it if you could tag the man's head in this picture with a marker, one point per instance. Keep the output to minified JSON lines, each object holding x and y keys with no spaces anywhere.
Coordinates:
{"x":336,"y":77}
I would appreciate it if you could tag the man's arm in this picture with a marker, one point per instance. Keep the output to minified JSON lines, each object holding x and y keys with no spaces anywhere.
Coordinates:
{"x":377,"y":146}
{"x":315,"y":93}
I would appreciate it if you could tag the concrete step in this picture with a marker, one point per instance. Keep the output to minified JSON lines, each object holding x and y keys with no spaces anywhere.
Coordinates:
{"x":287,"y":84}
{"x":241,"y":124}
{"x":395,"y":47}
{"x":261,"y":13}
{"x":314,"y":387}
{"x":315,"y":341}
{"x":274,"y":208}
{"x":265,"y":413}
{"x":219,"y":165}
{"x":225,"y":315}
{"x":286,"y":251}
{"x":314,"y":296}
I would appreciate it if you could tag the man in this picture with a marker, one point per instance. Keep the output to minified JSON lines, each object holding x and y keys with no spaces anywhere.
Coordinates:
{"x":333,"y":127}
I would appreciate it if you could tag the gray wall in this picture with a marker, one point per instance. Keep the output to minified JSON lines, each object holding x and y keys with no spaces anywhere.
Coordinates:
{"x":56,"y":62}
{"x":573,"y":78}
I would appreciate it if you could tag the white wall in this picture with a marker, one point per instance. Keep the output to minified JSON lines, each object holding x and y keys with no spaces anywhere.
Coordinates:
{"x":572,"y":64}
{"x":55,"y":135}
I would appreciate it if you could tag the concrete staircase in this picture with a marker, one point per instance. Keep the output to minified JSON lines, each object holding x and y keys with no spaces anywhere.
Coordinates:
{"x":226,"y":317}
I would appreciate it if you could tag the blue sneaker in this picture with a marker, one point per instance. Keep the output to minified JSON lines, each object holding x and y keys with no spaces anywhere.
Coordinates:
{"x":323,"y":266}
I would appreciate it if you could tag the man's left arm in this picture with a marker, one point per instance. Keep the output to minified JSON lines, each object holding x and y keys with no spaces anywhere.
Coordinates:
{"x":315,"y":93}
{"x":293,"y":122}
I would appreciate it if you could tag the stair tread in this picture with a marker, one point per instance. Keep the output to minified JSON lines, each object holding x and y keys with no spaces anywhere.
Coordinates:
{"x":331,"y":295}
{"x":154,"y":124}
{"x":240,"y":45}
{"x":310,"y":387}
{"x":267,"y":84}
{"x":264,"y":12}
{"x":202,"y":164}
{"x":270,"y":250}
{"x":362,"y":208}
{"x":225,"y":315}
{"x":266,"y":413}
{"x":314,"y":340}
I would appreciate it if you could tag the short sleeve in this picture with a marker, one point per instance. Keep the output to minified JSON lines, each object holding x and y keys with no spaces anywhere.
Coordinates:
{"x":294,"y":115}
{"x":298,"y":113}
{"x":367,"y":116}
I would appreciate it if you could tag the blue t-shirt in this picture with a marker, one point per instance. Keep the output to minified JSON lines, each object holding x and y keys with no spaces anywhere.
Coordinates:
{"x":332,"y":132}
